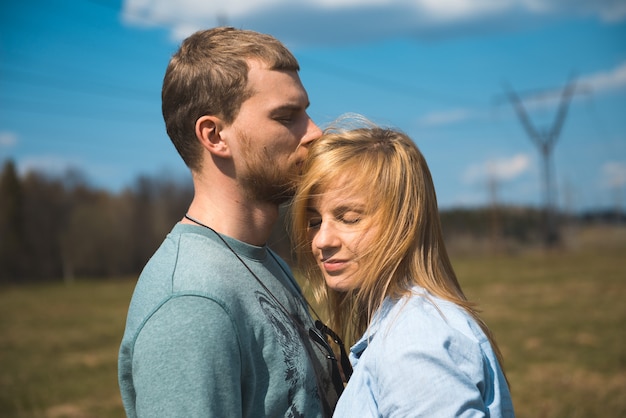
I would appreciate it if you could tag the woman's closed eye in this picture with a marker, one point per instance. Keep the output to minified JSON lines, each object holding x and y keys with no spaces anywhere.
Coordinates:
{"x":314,"y":223}
{"x":349,"y":217}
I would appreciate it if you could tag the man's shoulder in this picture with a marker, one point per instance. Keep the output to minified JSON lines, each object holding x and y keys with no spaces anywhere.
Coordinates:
{"x":189,"y":261}
{"x":186,"y":264}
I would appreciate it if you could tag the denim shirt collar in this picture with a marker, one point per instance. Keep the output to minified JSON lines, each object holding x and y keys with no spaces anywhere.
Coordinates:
{"x":359,"y":347}
{"x":378,"y":319}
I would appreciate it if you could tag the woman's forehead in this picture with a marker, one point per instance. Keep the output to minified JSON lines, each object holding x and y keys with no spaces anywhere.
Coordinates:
{"x":345,"y":189}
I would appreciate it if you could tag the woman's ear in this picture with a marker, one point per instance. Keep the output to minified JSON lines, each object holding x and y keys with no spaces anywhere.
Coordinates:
{"x":208,"y":132}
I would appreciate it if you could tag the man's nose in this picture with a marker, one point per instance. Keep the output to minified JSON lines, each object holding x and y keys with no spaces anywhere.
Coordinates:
{"x":313,"y":132}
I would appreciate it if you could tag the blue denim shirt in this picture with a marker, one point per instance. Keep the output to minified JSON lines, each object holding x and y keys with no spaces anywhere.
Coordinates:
{"x":424,"y":357}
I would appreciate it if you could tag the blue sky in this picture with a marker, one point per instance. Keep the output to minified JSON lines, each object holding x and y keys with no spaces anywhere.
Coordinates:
{"x":80,"y":85}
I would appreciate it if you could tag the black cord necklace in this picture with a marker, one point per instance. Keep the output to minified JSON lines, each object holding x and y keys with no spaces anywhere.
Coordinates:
{"x":187,"y":216}
{"x":314,"y":333}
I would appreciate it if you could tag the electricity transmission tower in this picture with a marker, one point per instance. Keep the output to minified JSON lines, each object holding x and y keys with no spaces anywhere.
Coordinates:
{"x":545,"y":140}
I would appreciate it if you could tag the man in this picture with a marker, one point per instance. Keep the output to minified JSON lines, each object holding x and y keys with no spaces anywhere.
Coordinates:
{"x":217,"y":325}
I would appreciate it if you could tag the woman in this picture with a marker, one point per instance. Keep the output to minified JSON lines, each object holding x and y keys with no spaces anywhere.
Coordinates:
{"x":368,"y":237}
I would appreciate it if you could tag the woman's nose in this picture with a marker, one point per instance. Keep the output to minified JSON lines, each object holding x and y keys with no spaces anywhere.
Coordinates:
{"x":326,"y":236}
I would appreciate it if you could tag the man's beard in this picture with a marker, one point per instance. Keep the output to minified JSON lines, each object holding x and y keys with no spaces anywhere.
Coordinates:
{"x":266,"y":181}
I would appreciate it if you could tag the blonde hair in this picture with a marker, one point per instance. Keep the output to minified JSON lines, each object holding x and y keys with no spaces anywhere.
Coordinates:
{"x":388,"y":168}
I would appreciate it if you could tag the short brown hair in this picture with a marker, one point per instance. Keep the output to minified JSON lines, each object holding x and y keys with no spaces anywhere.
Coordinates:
{"x":208,"y":75}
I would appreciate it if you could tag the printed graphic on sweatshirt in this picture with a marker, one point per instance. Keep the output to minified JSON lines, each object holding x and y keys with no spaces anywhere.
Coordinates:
{"x":291,"y":347}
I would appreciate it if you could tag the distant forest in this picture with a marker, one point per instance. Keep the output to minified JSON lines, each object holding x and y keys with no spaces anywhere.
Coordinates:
{"x":61,"y":228}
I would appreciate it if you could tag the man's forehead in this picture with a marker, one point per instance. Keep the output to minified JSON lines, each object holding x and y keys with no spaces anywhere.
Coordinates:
{"x":282,"y":87}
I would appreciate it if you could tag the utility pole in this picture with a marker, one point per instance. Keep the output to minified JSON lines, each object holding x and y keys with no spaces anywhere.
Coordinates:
{"x":545,"y":141}
{"x":496,"y":228}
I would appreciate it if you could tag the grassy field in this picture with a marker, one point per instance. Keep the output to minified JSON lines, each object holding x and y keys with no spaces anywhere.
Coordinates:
{"x":560,"y":320}
{"x":559,"y":317}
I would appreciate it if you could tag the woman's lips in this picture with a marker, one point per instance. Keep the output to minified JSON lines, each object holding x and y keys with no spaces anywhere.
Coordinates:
{"x":333,"y":266}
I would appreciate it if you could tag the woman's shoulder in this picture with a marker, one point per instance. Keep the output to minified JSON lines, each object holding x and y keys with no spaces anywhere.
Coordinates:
{"x":422,"y":313}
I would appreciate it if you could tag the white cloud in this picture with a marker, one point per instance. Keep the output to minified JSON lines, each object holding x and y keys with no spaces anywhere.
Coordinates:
{"x":453,"y":10}
{"x":596,"y":83}
{"x":507,"y":169}
{"x":338,"y":4}
{"x":501,"y":169}
{"x":48,"y":164}
{"x":7,"y":139}
{"x":614,"y":174}
{"x":444,"y":117}
{"x":354,"y":20}
{"x":613,"y":11}
{"x":606,"y":80}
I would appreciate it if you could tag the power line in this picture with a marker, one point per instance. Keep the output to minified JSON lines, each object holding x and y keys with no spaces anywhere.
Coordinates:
{"x":83,"y":85}
{"x":383,"y":83}
{"x":52,"y":108}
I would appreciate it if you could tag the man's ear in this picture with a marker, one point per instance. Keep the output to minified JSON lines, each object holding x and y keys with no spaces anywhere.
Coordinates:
{"x":208,"y":132}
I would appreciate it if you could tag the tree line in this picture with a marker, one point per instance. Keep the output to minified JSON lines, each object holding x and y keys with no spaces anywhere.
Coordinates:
{"x":60,"y":227}
{"x":54,"y":228}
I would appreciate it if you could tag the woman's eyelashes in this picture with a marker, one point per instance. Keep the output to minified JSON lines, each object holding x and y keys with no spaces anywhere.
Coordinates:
{"x":347,"y":218}
{"x":313,"y":223}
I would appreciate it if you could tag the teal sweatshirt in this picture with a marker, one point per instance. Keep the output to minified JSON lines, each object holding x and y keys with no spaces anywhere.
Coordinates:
{"x":204,"y":339}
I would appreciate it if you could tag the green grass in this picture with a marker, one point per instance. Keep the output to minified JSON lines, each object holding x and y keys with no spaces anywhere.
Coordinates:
{"x":559,"y":317}
{"x":58,"y":349}
{"x":560,"y":321}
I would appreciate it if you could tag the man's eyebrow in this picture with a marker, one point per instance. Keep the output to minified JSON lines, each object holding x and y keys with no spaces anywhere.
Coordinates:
{"x":290,"y":107}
